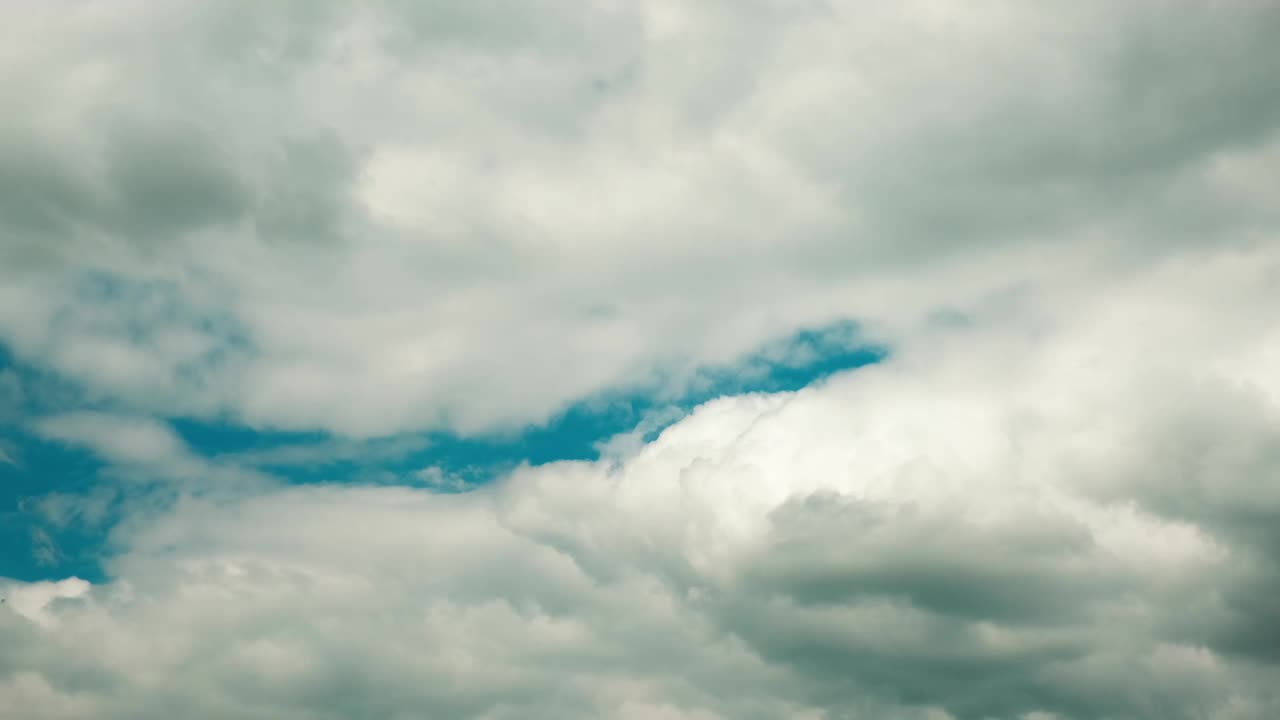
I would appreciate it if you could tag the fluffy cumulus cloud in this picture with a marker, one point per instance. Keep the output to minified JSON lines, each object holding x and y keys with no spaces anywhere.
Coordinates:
{"x":1001,"y":527}
{"x":1057,"y":496}
{"x":405,"y":215}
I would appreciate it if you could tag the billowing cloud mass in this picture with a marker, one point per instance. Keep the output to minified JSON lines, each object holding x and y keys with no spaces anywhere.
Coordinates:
{"x":1057,"y":497}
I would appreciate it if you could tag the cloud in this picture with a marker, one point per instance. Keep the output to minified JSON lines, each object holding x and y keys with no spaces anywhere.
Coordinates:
{"x":123,"y":440}
{"x":145,"y":458}
{"x":12,"y":398}
{"x":441,"y":480}
{"x":408,"y":216}
{"x":1010,"y":519}
{"x":320,"y":454}
{"x":44,"y":548}
{"x":1054,"y":497}
{"x":12,"y":395}
{"x":32,"y":601}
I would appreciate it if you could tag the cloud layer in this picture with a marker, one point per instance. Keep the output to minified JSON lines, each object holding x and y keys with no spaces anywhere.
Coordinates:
{"x":410,"y":216}
{"x":1056,"y":497}
{"x":1003,"y":524}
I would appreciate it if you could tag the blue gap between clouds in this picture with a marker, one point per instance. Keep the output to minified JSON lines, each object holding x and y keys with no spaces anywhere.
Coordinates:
{"x":46,"y":467}
{"x":573,"y":434}
{"x":30,"y":548}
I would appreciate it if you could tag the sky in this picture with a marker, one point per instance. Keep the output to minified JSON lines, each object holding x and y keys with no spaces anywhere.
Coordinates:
{"x":657,"y":360}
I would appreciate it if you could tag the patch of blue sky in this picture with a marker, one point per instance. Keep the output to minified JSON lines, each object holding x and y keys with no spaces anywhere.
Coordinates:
{"x":42,"y":535}
{"x":35,"y":541}
{"x":576,"y":433}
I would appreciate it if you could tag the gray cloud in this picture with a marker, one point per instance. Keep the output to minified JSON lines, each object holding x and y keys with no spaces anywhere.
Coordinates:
{"x":1056,"y":499}
{"x":424,"y":198}
{"x":966,"y":532}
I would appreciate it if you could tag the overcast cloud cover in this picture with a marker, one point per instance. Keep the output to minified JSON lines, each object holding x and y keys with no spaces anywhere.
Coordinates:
{"x":1055,"y":497}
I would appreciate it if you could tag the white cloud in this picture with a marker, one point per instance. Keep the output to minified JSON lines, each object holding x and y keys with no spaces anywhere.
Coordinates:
{"x":411,"y":216}
{"x":32,"y":600}
{"x":1018,"y":519}
{"x":1055,"y":499}
{"x":439,"y":479}
{"x":123,"y":440}
{"x":149,"y":457}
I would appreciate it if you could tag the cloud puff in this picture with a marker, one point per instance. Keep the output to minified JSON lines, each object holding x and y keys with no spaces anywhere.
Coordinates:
{"x":1003,"y":521}
{"x":407,"y":216}
{"x":118,"y":439}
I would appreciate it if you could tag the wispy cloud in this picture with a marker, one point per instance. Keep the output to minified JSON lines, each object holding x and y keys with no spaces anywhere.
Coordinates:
{"x":44,"y":548}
